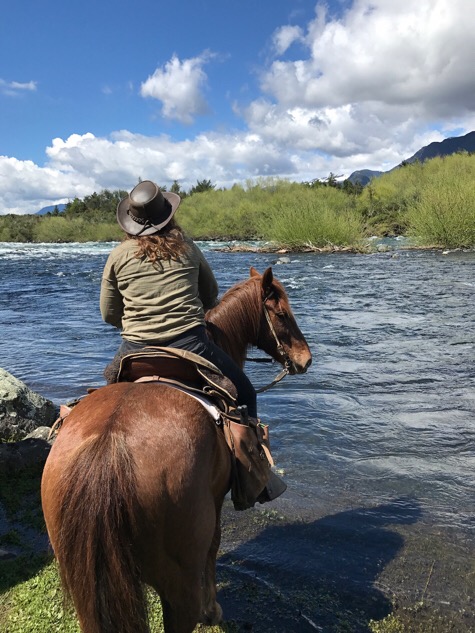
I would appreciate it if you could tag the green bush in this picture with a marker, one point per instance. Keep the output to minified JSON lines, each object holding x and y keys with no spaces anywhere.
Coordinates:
{"x":384,"y":202}
{"x":222,"y":214}
{"x":431,"y":202}
{"x":18,"y":228}
{"x":321,"y":217}
{"x":444,"y":215}
{"x":75,"y":229}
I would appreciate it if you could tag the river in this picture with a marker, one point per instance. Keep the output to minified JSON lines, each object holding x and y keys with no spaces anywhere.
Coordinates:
{"x":377,"y":440}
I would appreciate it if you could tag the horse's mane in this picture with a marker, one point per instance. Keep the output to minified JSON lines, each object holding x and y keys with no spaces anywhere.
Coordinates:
{"x":235,"y":320}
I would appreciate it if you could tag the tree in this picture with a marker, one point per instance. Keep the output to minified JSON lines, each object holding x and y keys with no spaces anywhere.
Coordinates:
{"x":97,"y":207}
{"x":202,"y":185}
{"x":176,"y":188}
{"x":352,"y":188}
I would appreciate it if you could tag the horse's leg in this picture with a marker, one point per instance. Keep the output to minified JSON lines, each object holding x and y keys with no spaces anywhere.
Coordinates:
{"x":211,"y":612}
{"x":188,"y":595}
{"x":185,"y":579}
{"x":182,"y":615}
{"x":184,"y":477}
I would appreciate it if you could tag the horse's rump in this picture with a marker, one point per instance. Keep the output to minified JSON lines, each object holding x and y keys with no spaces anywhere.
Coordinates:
{"x":134,"y":474}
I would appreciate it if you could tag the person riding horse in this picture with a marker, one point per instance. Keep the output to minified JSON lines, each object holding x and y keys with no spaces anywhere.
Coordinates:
{"x":156,"y":287}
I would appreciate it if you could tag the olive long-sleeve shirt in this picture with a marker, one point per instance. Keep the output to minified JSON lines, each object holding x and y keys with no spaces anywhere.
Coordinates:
{"x":154,"y":303}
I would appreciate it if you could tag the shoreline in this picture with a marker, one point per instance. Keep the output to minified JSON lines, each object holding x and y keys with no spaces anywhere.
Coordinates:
{"x":331,"y":249}
{"x":360,"y":573}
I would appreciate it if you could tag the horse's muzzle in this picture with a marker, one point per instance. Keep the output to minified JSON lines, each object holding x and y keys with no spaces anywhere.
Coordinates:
{"x":297,"y":368}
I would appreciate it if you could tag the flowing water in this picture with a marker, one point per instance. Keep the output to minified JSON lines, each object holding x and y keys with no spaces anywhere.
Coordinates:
{"x":380,"y":431}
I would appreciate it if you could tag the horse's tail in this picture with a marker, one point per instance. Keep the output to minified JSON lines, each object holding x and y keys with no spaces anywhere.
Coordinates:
{"x":94,"y":548}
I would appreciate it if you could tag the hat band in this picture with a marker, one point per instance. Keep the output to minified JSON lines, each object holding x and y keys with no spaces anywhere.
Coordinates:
{"x":136,"y":219}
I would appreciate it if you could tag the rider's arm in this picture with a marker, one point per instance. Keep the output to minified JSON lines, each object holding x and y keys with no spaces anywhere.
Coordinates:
{"x":207,"y":284}
{"x":111,"y":302}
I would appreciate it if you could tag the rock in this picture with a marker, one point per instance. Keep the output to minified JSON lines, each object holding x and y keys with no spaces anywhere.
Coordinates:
{"x":22,"y":410}
{"x":41,"y":433}
{"x":282,"y":260}
{"x":17,"y":456}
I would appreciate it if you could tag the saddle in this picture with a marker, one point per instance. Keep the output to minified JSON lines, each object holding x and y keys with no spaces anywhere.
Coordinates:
{"x":181,"y":369}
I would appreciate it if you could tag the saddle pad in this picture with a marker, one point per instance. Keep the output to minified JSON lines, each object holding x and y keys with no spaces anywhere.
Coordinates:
{"x":207,"y":404}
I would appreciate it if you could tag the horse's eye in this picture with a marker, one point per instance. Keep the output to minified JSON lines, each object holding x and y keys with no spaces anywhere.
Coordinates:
{"x":280,"y":315}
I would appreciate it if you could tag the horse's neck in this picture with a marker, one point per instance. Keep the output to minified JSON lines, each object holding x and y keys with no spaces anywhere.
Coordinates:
{"x":234,"y":323}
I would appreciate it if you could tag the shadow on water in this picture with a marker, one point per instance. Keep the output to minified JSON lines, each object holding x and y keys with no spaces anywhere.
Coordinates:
{"x":317,"y":576}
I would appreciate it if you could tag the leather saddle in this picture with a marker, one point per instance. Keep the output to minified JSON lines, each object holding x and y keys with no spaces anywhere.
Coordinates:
{"x":247,"y":438}
{"x":179,"y":368}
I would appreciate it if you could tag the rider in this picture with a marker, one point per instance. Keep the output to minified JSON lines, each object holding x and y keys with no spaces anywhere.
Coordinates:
{"x":157,"y":285}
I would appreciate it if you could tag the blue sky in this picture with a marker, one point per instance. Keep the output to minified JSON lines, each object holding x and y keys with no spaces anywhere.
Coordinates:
{"x":96,"y":95}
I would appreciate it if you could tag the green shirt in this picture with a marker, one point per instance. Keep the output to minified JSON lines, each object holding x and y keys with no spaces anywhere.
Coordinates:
{"x":154,"y":303}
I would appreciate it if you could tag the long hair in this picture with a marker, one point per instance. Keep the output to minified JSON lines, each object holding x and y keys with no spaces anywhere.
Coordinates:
{"x":168,"y":243}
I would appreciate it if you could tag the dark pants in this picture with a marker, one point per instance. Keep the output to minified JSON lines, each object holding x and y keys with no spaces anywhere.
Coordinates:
{"x":197,"y":341}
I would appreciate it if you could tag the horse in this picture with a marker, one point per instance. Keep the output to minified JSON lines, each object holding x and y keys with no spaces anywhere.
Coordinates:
{"x":133,"y":487}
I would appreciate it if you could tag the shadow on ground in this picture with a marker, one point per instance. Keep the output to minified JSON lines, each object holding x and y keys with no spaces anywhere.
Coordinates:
{"x":316,"y":576}
{"x":24,"y":545}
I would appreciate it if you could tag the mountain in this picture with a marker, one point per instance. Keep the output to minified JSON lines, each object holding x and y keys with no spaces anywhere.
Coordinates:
{"x":363,"y":176}
{"x":50,"y":209}
{"x":442,"y":148}
{"x":445,"y":148}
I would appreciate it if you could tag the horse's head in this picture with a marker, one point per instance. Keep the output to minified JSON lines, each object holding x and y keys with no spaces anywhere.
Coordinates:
{"x":279,"y":335}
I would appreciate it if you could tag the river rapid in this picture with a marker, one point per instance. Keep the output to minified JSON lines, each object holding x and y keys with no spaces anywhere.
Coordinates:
{"x":376,"y":440}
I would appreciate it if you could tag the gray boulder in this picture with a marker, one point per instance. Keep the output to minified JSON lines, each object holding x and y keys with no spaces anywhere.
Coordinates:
{"x":22,"y":410}
{"x":28,"y":453}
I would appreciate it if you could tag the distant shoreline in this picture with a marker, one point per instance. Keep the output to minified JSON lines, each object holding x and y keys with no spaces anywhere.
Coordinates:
{"x":369,"y":250}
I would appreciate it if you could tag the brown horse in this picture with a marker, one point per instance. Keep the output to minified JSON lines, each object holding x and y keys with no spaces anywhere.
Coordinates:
{"x":134,"y":484}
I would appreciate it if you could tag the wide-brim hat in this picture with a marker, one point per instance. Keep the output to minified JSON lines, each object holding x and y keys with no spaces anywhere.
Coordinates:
{"x":146,"y":209}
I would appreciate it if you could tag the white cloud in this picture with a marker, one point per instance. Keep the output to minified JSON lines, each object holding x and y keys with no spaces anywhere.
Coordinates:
{"x":121,"y":160}
{"x":284,"y":37}
{"x":82,"y":164}
{"x":14,"y":88}
{"x":179,"y":85}
{"x":27,"y":188}
{"x":373,"y":78}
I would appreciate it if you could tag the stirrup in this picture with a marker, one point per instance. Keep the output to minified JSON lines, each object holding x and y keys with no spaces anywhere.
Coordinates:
{"x":274,"y":488}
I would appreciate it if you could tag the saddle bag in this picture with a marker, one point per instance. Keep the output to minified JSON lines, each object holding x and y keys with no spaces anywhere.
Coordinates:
{"x":252,"y":460}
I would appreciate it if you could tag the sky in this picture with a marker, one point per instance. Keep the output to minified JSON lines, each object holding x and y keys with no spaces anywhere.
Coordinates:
{"x":99,"y":94}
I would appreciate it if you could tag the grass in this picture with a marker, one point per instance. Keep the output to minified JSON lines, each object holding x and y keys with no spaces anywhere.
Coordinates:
{"x":31,"y":599}
{"x":36,"y":605}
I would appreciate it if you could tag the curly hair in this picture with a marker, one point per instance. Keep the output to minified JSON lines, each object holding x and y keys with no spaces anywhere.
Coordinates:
{"x":168,"y":243}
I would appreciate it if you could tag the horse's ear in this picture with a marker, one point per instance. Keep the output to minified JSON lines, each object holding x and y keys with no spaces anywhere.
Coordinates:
{"x":267,"y":279}
{"x":253,"y":272}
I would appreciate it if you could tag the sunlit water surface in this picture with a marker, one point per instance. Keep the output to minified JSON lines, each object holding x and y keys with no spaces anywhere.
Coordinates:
{"x":387,"y":409}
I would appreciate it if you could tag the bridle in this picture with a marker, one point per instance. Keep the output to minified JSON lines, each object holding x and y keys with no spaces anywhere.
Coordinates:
{"x":280,"y":348}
